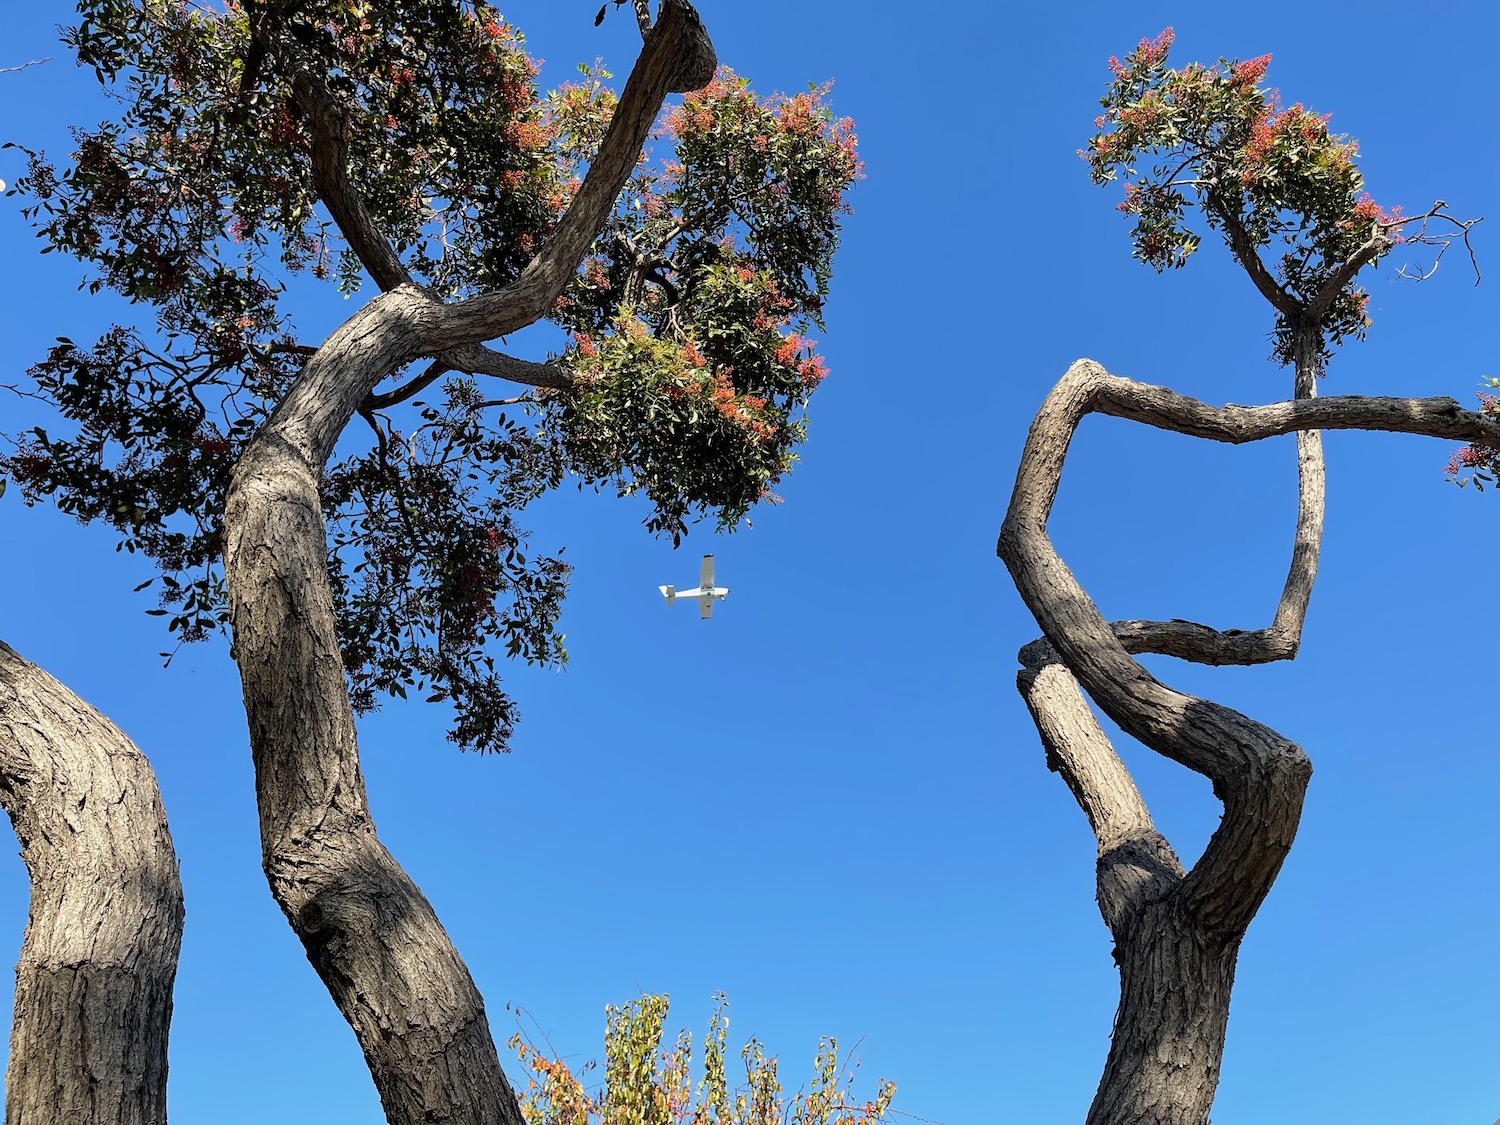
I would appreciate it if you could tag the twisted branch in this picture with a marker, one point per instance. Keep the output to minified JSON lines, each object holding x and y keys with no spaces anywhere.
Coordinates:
{"x":1176,"y":932}
{"x":1234,"y":752}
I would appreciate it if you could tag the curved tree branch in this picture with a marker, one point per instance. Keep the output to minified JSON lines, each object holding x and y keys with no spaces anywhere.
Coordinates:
{"x":1245,"y":253}
{"x":1177,"y":935}
{"x":476,"y":359}
{"x":677,"y":57}
{"x":94,"y":983}
{"x":330,"y":165}
{"x":1258,"y":774}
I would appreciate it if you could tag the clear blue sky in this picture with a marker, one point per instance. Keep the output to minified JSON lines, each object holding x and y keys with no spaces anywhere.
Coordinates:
{"x":829,"y":801}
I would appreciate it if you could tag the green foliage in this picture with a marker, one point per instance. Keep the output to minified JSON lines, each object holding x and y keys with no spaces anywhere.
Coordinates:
{"x":645,"y":1084}
{"x":428,"y":564}
{"x":1268,"y":179}
{"x":205,"y":193}
{"x":691,"y":369}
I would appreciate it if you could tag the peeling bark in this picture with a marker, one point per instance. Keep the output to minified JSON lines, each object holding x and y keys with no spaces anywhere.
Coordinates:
{"x":1177,"y":932}
{"x":94,"y":982}
{"x":368,"y":931}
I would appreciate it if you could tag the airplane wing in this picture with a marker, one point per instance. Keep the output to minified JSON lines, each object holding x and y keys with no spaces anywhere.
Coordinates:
{"x":706,"y":575}
{"x":705,"y":608}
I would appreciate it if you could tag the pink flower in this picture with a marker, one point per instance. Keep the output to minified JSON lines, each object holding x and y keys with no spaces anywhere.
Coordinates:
{"x":1249,"y":72}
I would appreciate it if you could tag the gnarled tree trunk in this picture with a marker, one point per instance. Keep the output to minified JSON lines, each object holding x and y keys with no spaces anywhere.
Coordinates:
{"x":369,"y":932}
{"x":1177,"y":933}
{"x":94,"y":983}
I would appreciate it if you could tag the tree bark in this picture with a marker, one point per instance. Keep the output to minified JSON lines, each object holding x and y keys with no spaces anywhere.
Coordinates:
{"x":1177,"y":933}
{"x":372,"y":936}
{"x":94,"y":982}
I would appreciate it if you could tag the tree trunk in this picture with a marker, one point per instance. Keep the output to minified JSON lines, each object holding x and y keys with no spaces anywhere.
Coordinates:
{"x":1168,"y":1038}
{"x":94,"y":983}
{"x":1177,"y":933}
{"x":371,"y":935}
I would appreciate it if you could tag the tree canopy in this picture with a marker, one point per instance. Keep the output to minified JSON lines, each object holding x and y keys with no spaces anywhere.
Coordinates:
{"x":684,"y":374}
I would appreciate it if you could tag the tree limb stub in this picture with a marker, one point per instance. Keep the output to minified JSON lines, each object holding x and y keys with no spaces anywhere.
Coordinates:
{"x":94,"y":983}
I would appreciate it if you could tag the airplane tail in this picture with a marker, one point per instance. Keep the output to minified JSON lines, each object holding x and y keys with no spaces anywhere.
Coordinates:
{"x":670,"y":593}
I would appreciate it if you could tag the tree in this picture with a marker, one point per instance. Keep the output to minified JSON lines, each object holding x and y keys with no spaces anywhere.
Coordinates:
{"x":94,"y":984}
{"x":643,"y":1082}
{"x":1287,"y":199}
{"x":254,"y":141}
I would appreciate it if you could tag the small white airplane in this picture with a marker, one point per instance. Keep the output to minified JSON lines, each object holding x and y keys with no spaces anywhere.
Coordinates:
{"x":706,"y":593}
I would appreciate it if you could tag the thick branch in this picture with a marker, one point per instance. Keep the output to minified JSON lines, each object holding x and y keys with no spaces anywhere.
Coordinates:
{"x":330,"y":165}
{"x":94,"y":983}
{"x":1285,"y":633}
{"x":1259,"y":775}
{"x":1166,"y":410}
{"x":1136,"y":864}
{"x":368,"y":931}
{"x":677,"y":57}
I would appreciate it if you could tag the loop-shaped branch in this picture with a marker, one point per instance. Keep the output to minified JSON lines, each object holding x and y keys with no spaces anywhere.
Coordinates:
{"x":1258,"y":774}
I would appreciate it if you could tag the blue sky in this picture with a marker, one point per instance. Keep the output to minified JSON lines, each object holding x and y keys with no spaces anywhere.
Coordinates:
{"x":829,"y":801}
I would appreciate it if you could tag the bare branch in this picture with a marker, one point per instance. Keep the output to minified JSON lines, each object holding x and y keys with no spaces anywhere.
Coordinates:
{"x":1136,"y":864}
{"x":1285,"y":633}
{"x":476,"y":359}
{"x":1245,"y":253}
{"x":435,"y":371}
{"x":643,"y":16}
{"x":1441,"y":241}
{"x":24,"y":65}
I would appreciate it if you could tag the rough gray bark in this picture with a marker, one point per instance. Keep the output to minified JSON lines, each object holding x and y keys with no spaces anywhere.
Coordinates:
{"x":367,"y":929}
{"x":94,"y":982}
{"x":1176,"y":932}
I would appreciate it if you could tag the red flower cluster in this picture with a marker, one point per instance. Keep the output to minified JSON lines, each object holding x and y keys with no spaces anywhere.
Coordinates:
{"x":1248,"y":71}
